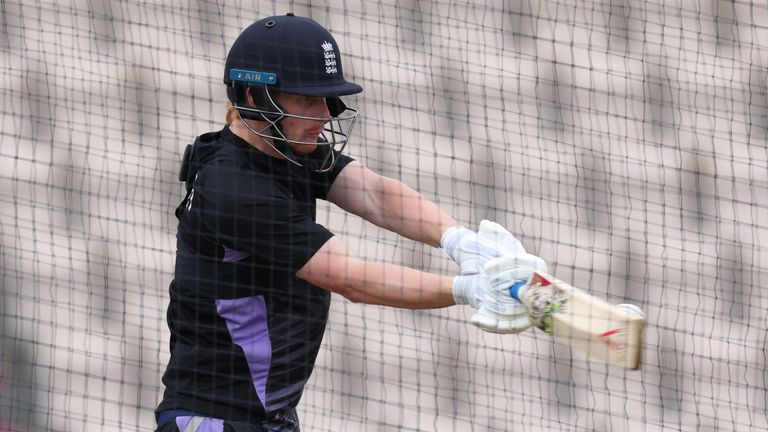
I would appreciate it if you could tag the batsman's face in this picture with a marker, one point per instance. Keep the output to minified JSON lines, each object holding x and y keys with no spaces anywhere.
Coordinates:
{"x":299,"y":129}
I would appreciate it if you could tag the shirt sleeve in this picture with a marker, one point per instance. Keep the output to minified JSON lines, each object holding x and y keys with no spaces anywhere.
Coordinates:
{"x":252,"y":216}
{"x":322,"y":182}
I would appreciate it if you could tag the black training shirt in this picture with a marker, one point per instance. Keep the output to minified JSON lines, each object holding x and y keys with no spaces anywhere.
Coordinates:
{"x":245,"y":331}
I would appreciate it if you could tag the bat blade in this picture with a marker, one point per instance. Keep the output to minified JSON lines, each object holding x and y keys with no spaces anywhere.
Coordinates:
{"x":584,"y":322}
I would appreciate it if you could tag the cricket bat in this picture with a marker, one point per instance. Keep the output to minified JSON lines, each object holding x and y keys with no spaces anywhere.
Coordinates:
{"x":613,"y":333}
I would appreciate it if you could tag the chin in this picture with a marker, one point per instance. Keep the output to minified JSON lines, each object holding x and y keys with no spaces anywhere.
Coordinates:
{"x":303,"y":149}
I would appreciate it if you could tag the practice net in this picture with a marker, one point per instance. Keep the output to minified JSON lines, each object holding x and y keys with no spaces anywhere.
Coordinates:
{"x":623,"y":142}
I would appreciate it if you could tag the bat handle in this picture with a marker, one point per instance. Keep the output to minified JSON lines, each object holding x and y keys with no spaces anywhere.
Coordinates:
{"x":515,"y":289}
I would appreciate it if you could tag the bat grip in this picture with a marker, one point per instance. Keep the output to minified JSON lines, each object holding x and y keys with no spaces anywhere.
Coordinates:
{"x":514,"y":290}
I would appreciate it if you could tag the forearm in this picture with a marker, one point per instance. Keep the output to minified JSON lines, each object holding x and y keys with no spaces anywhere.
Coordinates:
{"x":397,"y":286}
{"x":361,"y":281}
{"x":390,"y":204}
{"x":412,"y":215}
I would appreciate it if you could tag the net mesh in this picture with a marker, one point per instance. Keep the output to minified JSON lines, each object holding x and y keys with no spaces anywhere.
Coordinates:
{"x":623,"y":142}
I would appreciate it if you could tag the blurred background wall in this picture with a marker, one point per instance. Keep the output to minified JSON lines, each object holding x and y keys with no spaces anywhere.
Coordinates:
{"x":622,"y":141}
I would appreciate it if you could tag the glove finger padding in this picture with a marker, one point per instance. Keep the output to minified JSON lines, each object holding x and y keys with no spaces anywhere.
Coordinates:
{"x":499,"y":238}
{"x":499,"y":312}
{"x":492,"y":241}
{"x":488,"y":320}
{"x":520,"y":263}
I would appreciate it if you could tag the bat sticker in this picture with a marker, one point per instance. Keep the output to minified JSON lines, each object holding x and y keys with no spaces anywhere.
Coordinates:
{"x":543,"y":300}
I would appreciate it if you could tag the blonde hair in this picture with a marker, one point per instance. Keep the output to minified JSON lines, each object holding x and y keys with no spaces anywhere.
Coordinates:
{"x":231,"y":114}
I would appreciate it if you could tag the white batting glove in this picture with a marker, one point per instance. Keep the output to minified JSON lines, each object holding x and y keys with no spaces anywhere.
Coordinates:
{"x":454,"y":243}
{"x":499,"y":312}
{"x":472,"y":250}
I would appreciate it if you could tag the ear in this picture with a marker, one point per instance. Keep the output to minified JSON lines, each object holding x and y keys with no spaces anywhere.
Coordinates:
{"x":249,"y":96}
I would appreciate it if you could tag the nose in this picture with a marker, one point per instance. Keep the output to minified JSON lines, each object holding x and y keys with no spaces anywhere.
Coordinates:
{"x":323,"y":108}
{"x":317,"y":107}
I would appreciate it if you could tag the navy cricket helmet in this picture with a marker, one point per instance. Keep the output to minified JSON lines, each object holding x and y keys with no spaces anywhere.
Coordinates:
{"x":296,"y":55}
{"x":292,"y":54}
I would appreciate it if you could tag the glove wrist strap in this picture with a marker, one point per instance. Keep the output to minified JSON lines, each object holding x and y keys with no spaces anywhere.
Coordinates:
{"x":462,"y":289}
{"x":451,"y":240}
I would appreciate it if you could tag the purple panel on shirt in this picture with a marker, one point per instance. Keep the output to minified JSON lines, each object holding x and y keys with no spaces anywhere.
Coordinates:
{"x":182,"y":421}
{"x":231,"y":255}
{"x":208,"y":424}
{"x":211,"y":425}
{"x":247,"y":323}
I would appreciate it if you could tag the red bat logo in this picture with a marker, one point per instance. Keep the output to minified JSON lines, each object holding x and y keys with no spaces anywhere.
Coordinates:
{"x":605,"y":336}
